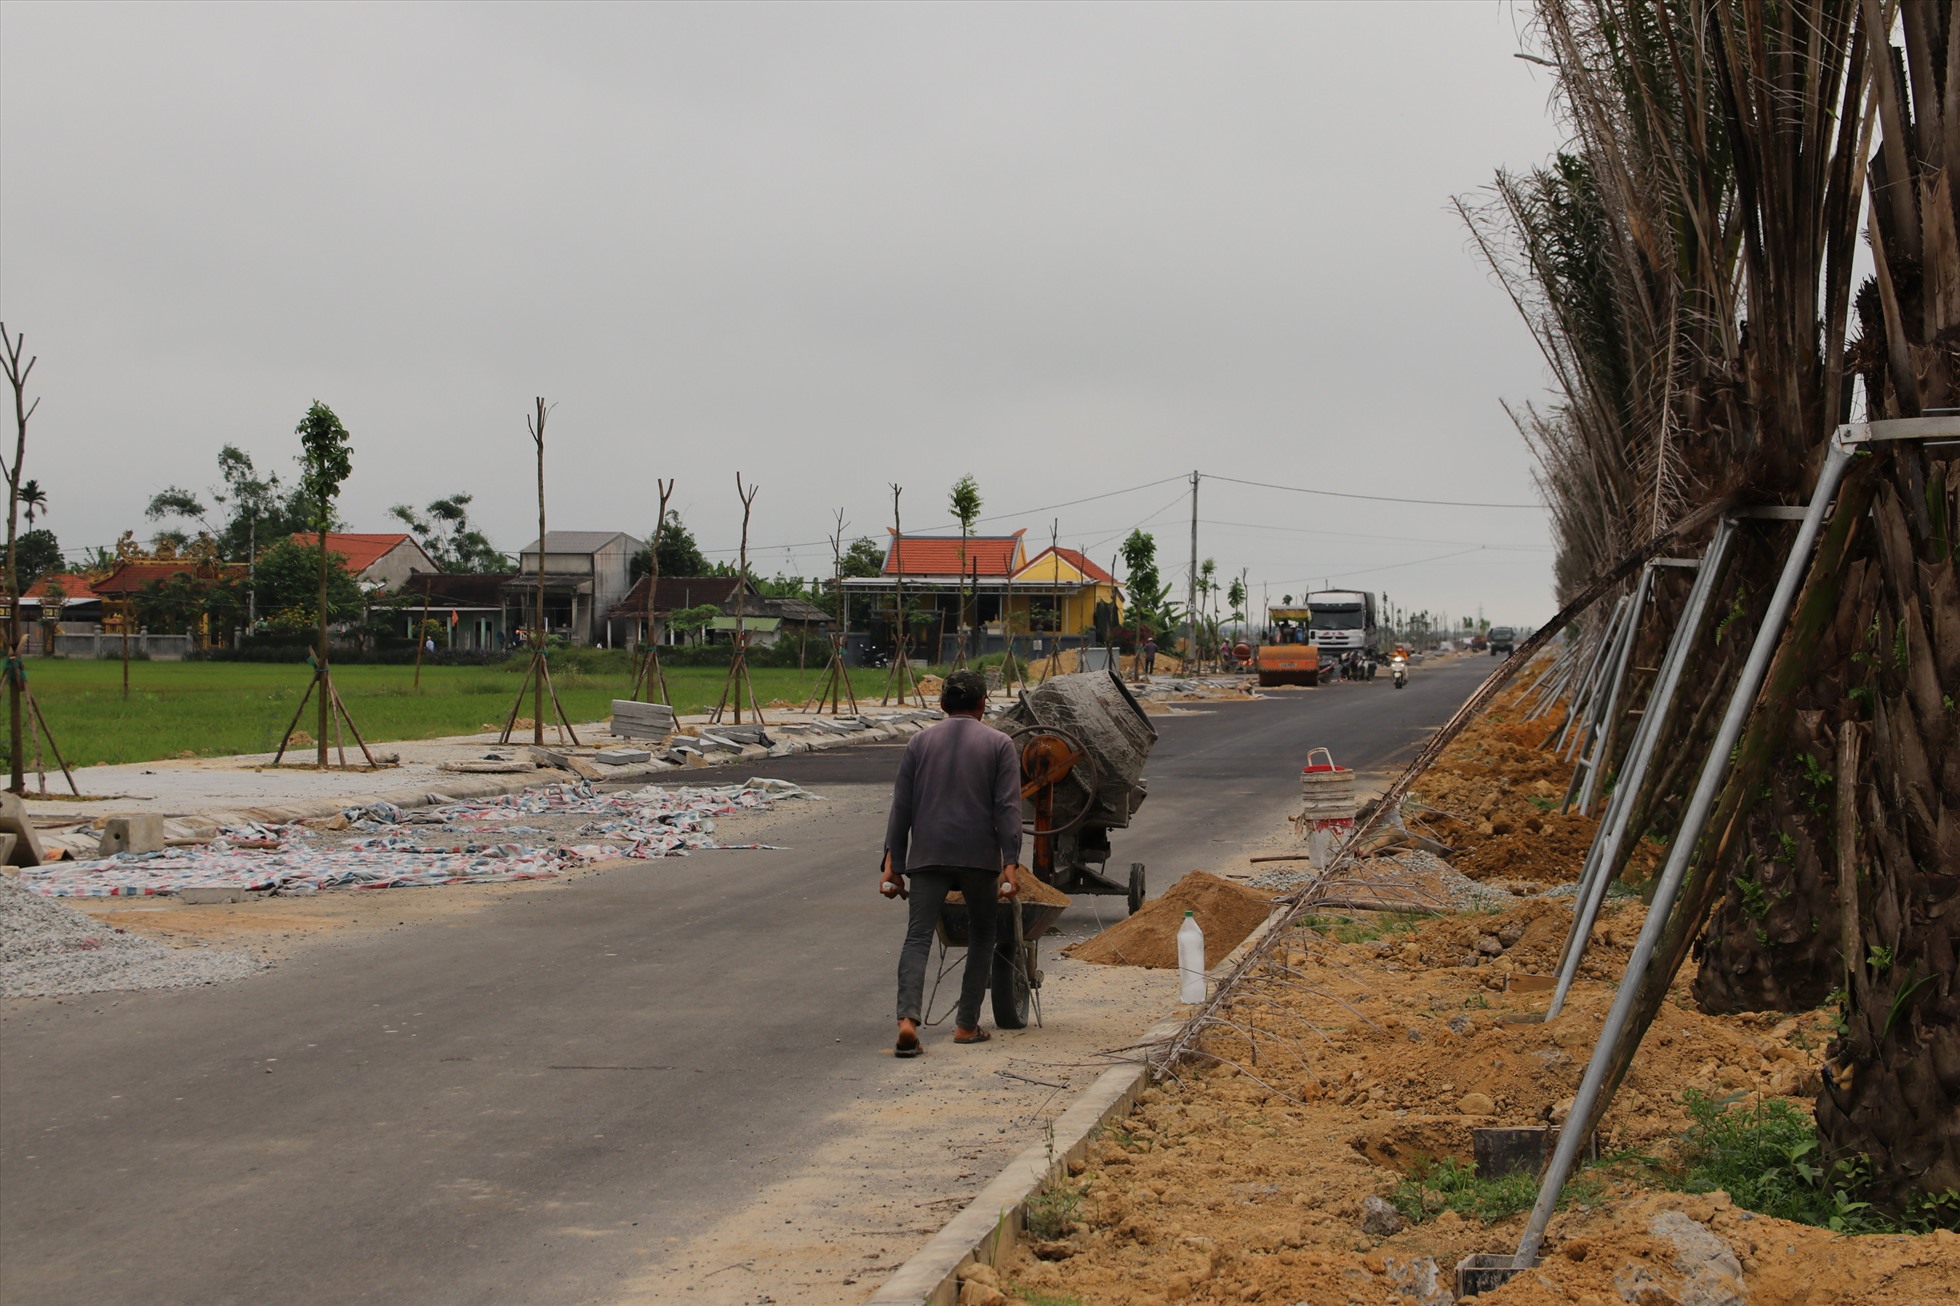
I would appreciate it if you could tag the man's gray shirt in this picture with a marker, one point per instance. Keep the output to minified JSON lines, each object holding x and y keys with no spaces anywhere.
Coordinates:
{"x":957,"y":801}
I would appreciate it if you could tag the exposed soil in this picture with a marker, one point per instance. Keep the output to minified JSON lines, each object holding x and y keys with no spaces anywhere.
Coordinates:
{"x":1344,"y":1069}
{"x":1494,"y":796}
{"x":1225,"y":911}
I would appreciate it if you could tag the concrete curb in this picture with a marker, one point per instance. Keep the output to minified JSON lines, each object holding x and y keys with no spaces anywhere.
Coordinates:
{"x":987,"y":1228}
{"x":985,"y":1231}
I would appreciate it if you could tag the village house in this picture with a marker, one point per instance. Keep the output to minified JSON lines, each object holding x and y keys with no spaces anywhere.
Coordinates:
{"x":379,"y":563}
{"x":585,"y":575}
{"x":1049,"y":599}
{"x":765,"y":620}
{"x":469,"y":607}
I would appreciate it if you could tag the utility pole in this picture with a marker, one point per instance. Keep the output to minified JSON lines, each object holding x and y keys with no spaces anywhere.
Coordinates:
{"x":1191,"y":594}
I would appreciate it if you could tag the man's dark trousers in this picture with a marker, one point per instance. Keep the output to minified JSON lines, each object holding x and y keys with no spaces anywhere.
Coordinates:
{"x":929,"y":886}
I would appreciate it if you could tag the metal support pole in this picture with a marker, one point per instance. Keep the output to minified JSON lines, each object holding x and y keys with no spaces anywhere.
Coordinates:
{"x":1602,"y":859}
{"x":1713,"y":770}
{"x":1628,"y":635}
{"x":1582,"y":700}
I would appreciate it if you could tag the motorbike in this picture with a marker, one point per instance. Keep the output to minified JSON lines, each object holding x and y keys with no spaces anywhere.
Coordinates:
{"x":1399,"y":667}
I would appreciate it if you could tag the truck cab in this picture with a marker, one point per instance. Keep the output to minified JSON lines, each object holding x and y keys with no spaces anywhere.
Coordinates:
{"x":1503,"y":640}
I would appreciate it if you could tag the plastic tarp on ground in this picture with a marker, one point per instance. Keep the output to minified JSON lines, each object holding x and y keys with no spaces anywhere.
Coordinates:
{"x":650,"y":822}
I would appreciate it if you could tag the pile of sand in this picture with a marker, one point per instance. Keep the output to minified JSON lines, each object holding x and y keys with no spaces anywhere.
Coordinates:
{"x":1227,"y":913}
{"x":1033,"y":890}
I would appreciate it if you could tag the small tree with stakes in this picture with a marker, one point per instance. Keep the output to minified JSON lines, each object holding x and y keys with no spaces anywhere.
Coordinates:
{"x":900,"y":676}
{"x":738,"y":682}
{"x":15,"y":667}
{"x":649,"y":676}
{"x":325,"y":463}
{"x":836,"y":683}
{"x":537,"y":677}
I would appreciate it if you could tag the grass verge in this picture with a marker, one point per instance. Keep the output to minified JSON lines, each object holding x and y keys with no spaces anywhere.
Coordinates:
{"x":214,"y":709}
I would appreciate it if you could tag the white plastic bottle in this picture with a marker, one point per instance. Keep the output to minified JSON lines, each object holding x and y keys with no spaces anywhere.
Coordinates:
{"x":1190,"y":960}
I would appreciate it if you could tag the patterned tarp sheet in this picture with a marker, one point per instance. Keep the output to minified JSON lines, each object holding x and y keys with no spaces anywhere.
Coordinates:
{"x":288,"y":859}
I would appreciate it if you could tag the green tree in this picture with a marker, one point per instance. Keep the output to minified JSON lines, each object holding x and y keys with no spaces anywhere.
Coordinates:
{"x":36,"y":553}
{"x":965,"y":505}
{"x":1151,"y":607}
{"x":679,"y":554}
{"x":446,"y":534}
{"x":35,"y":499}
{"x":288,"y":584}
{"x":325,"y":462}
{"x":1235,"y":597}
{"x":865,"y":557}
{"x":259,"y":508}
{"x":690,"y":621}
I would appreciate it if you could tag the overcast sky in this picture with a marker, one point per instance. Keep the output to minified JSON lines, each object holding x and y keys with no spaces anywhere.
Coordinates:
{"x":1071,"y":249}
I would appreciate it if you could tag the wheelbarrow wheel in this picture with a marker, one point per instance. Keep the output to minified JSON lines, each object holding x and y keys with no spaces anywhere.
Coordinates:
{"x":1136,"y":887}
{"x":1012,"y":992}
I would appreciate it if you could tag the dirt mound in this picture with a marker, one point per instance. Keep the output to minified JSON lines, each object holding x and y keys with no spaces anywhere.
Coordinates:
{"x":1227,"y":913}
{"x":1494,"y":796}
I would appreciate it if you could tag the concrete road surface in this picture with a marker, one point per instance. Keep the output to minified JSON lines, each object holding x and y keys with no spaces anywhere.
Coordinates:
{"x":462,"y":1112}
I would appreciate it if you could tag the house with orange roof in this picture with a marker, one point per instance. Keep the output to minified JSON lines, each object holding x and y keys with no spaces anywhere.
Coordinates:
{"x":1059,"y":590}
{"x":384,"y":561}
{"x":1050,"y":598}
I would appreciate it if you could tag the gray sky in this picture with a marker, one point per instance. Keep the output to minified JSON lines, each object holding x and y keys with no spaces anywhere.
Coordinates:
{"x":1072,"y":249}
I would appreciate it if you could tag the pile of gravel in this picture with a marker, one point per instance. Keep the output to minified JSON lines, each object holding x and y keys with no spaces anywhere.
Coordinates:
{"x":48,"y":949}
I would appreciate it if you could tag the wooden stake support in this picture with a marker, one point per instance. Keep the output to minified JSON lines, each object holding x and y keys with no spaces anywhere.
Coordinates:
{"x":537,"y":678}
{"x":16,"y":669}
{"x":738,"y":682}
{"x":337,"y":712}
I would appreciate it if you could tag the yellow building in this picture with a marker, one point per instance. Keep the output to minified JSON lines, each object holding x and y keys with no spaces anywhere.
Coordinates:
{"x":1058,"y":590}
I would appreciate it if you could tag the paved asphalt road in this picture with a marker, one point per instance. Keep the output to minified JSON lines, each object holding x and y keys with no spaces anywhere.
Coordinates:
{"x":421,"y":1115}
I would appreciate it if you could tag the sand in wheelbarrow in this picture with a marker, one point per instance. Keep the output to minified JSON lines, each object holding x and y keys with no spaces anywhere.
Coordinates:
{"x":1227,"y":913}
{"x":1033,"y":890}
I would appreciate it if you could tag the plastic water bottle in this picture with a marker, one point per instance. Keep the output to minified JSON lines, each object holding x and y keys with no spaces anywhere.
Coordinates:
{"x":1190,"y":960}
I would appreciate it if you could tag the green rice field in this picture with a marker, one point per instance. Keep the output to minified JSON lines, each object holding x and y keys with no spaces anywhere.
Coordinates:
{"x":212,"y":709}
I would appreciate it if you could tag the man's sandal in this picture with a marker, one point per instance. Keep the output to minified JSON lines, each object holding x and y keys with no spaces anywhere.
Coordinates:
{"x":911,"y":1049}
{"x":971,"y":1036}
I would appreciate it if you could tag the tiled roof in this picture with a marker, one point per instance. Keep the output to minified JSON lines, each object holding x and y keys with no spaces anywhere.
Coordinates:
{"x":941,"y":555}
{"x":464,"y":589}
{"x":1074,"y":558}
{"x":134,"y":577}
{"x":677,"y":592}
{"x":75,"y":587}
{"x":361,"y":551}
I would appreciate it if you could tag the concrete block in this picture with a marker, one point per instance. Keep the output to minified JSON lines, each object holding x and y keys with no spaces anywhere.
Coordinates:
{"x":13,"y":820}
{"x":621,"y":756}
{"x":132,"y":834}
{"x":208,"y":897}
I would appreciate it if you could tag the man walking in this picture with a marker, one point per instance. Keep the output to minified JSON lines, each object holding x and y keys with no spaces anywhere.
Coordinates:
{"x":955,"y":824}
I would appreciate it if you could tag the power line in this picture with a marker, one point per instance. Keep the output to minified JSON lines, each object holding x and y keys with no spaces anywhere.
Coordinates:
{"x":999,"y":516}
{"x":1369,"y":571}
{"x":1357,"y":535}
{"x":1373,"y":498}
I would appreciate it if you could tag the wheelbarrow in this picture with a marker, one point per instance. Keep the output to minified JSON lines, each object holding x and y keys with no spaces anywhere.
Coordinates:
{"x":1016,"y":973}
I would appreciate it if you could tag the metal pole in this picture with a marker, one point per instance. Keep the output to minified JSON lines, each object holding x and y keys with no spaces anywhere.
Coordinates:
{"x":1768,"y":636}
{"x":1602,"y":859}
{"x":1627,"y":638}
{"x":1191,"y":594}
{"x":1582,"y":696}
